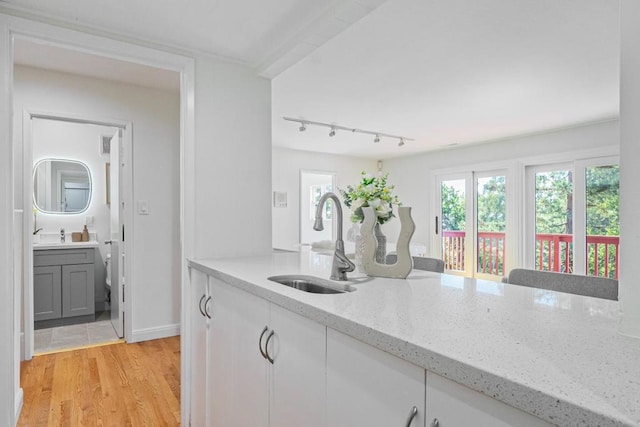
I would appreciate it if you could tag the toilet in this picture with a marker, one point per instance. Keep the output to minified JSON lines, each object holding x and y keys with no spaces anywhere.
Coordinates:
{"x":107,"y":264}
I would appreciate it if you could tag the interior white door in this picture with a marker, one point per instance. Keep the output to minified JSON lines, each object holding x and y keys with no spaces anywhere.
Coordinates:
{"x":116,"y":235}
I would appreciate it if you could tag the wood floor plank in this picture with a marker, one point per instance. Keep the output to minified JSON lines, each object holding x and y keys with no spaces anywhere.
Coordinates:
{"x":117,"y":385}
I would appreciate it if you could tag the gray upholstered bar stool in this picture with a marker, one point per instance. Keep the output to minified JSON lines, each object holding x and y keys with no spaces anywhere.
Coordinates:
{"x":598,"y":287}
{"x":421,"y":263}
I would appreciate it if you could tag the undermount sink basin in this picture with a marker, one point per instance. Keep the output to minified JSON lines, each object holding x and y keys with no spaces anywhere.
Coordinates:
{"x":311,"y":284}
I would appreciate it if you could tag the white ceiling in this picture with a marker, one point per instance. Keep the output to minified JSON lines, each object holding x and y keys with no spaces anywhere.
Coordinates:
{"x":443,"y":72}
{"x":451,"y":72}
{"x":55,"y":58}
{"x":268,"y":35}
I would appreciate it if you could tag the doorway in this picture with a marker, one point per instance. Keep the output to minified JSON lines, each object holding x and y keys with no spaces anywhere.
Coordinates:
{"x":471,"y":223}
{"x":572,"y":217}
{"x":313,"y":184}
{"x":50,"y":93}
{"x":69,"y":304}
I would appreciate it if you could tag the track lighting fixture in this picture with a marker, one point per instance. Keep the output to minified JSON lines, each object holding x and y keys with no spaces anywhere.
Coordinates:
{"x":334,"y":127}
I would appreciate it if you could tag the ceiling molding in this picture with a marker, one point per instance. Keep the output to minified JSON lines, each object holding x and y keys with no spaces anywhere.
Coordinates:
{"x":45,"y":18}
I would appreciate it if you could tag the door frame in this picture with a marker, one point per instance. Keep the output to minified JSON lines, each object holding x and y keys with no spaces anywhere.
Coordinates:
{"x":470,"y":172}
{"x":27,"y":190}
{"x":436,"y":241}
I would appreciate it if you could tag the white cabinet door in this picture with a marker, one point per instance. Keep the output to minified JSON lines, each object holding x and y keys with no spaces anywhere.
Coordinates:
{"x":368,"y":387}
{"x":237,"y":376}
{"x":297,"y":383}
{"x":198,"y":364}
{"x":455,"y":405}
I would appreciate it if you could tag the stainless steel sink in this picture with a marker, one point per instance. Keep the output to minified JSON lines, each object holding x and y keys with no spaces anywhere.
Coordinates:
{"x":311,"y":284}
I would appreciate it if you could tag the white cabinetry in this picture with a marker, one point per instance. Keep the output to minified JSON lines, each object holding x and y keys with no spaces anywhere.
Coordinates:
{"x":254,"y":363}
{"x":298,"y":372}
{"x":198,"y":358}
{"x":368,"y":387}
{"x":452,"y":405}
{"x":237,"y":377}
{"x":266,"y":364}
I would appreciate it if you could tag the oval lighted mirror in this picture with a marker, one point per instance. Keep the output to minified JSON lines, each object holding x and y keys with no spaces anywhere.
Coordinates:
{"x":61,"y":186}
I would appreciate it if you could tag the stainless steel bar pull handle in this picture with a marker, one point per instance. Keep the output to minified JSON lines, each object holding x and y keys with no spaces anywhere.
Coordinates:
{"x":200,"y":305}
{"x":264,"y":355}
{"x":412,"y":415}
{"x":266,"y":346}
{"x":206,"y":307}
{"x":435,"y":423}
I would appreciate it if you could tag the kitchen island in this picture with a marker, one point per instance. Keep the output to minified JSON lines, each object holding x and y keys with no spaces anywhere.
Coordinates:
{"x":553,"y":355}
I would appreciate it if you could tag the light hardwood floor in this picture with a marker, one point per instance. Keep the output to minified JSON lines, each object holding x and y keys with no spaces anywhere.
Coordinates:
{"x":113,"y":385}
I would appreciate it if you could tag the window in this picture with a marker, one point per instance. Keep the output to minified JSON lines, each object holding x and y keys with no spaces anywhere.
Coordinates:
{"x":574,"y":209}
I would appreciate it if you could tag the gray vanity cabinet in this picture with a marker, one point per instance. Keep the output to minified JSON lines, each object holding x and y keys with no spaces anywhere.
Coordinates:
{"x":47,"y":292}
{"x":63,"y":283}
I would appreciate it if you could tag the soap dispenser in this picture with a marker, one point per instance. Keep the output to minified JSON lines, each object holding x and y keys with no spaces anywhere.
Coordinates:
{"x":85,"y":234}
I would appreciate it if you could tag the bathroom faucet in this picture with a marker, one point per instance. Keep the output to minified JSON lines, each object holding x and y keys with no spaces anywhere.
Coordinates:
{"x":62,"y":236}
{"x":341,"y":264}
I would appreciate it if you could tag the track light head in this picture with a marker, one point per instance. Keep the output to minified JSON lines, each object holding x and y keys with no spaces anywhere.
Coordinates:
{"x":332,"y":132}
{"x":401,"y":143}
{"x":302,"y":127}
{"x":376,"y":139}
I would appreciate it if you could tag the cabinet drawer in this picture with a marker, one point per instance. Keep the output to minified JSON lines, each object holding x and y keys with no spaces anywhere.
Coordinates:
{"x":63,"y":257}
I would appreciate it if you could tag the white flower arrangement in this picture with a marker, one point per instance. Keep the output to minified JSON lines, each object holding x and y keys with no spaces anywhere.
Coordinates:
{"x":371,"y":192}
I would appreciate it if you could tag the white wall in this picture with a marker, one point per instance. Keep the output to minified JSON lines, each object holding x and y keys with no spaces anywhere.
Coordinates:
{"x":233,"y":161}
{"x":411,"y":175}
{"x":286,"y":177}
{"x":629,"y":292}
{"x":156,"y":176}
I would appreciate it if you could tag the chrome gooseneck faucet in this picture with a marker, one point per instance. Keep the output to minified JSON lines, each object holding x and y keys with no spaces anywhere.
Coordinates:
{"x":341,"y":264}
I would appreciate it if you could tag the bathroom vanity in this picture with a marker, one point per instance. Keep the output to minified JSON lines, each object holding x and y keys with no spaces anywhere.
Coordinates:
{"x":63,"y":280}
{"x":429,"y":350}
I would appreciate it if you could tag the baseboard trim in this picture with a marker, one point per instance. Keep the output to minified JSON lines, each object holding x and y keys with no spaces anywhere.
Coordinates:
{"x":19,"y":400}
{"x":155,"y":333}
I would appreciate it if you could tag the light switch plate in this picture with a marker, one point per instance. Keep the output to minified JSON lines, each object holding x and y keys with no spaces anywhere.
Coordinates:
{"x":143,"y":207}
{"x":89,"y":220}
{"x":279,"y":199}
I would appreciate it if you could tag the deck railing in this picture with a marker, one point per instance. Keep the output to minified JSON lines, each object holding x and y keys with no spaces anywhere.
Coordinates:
{"x":554,"y":252}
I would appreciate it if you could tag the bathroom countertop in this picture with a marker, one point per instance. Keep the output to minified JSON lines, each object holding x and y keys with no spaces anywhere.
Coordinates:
{"x":554,"y":355}
{"x":65,"y":245}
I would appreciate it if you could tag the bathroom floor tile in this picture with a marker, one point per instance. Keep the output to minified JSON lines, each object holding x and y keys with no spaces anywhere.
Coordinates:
{"x":70,"y":336}
{"x":101,"y":332}
{"x":42,"y":339}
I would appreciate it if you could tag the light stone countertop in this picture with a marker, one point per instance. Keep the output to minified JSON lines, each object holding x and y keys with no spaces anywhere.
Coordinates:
{"x":557,"y":356}
{"x":65,"y":245}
